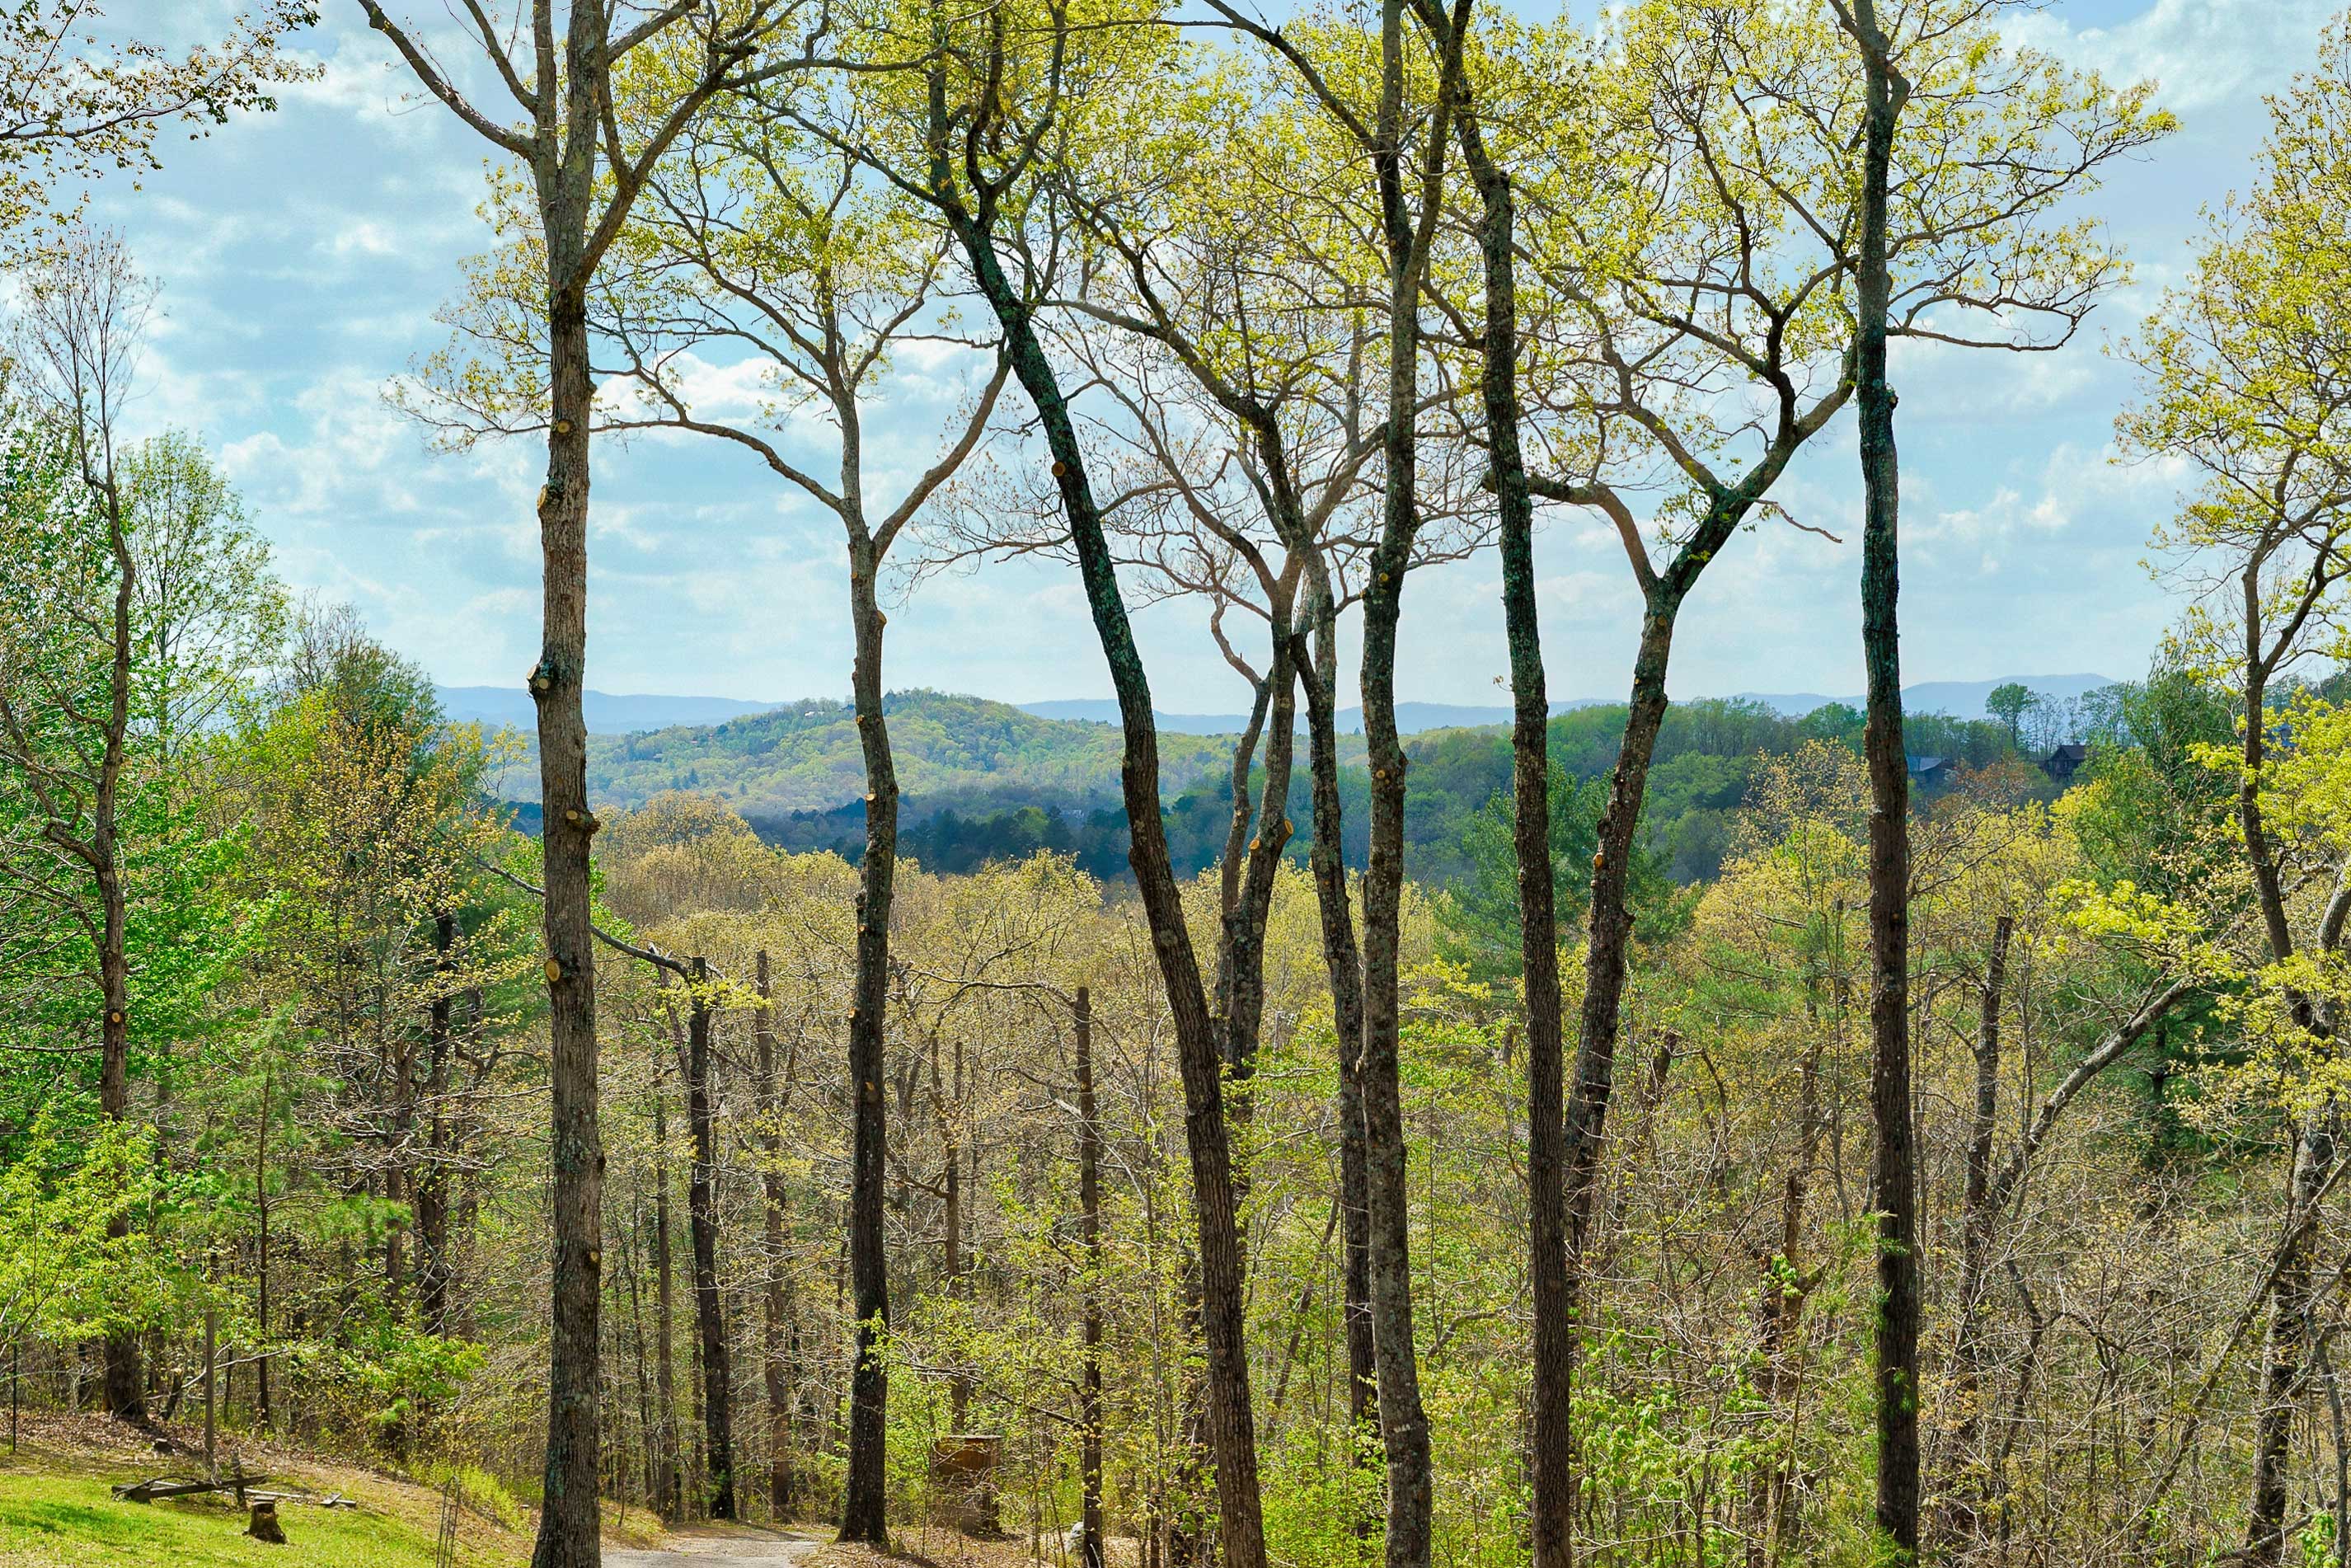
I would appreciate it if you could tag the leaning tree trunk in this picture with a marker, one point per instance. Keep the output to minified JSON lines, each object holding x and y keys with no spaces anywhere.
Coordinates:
{"x":864,"y":1496}
{"x":1223,"y":1311}
{"x":702,"y":1207}
{"x":1893,"y":1174}
{"x":570,"y":1526}
{"x":1554,"y":1363}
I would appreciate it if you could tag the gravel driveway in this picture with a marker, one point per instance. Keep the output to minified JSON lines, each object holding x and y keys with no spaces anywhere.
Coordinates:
{"x":747,"y":1547}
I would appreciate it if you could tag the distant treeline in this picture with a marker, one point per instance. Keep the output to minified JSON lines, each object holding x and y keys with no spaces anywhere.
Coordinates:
{"x":1707,"y":755}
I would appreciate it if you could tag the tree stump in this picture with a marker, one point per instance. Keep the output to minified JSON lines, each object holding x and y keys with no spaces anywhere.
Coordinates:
{"x":265,"y":1524}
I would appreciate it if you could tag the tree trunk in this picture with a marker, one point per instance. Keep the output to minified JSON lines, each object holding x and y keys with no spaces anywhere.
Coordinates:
{"x":702,"y":1205}
{"x":1553,"y":1487}
{"x":261,"y":1254}
{"x":864,"y":1496}
{"x":781,"y":1501}
{"x":1327,"y":857}
{"x":1231,"y":1426}
{"x":1978,"y":1218}
{"x":2285,"y":1355}
{"x":951,"y":1219}
{"x":1240,"y":967}
{"x":432,"y":1271}
{"x":568,"y":1528}
{"x":125,"y":1390}
{"x":1404,"y":1424}
{"x":1773,"y":1499}
{"x":1892,"y":1175}
{"x":669,"y":1497}
{"x":1606,"y":955}
{"x":1090,"y":1399}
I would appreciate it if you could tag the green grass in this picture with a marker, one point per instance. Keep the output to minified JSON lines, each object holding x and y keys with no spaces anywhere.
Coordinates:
{"x":51,"y":1520}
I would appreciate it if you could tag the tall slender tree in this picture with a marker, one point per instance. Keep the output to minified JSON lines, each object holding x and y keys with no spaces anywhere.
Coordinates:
{"x":583,"y":189}
{"x":1894,"y":1163}
{"x":71,"y":644}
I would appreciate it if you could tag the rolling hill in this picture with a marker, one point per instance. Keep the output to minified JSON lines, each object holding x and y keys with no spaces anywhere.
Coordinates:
{"x":805,"y":757}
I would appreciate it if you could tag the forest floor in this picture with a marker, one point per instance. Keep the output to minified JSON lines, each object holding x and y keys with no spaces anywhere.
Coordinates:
{"x":56,"y":1511}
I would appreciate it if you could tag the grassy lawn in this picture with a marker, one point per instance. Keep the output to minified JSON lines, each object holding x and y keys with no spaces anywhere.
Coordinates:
{"x":58,"y":1518}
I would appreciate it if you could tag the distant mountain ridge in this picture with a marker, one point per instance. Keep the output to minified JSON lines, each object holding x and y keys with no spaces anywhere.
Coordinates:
{"x":632,"y":714}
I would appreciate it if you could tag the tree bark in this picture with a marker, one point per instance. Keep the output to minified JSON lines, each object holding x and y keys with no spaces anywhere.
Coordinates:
{"x":951,"y":1217}
{"x":1404,"y":1422}
{"x":1090,"y":1399}
{"x":1608,"y":947}
{"x":1893,"y":1177}
{"x":126,"y":1397}
{"x":1554,"y":1365}
{"x":1344,"y":962}
{"x":1240,"y":967}
{"x":2285,"y":1355}
{"x":570,"y":1527}
{"x":261,"y":1253}
{"x":864,"y":1496}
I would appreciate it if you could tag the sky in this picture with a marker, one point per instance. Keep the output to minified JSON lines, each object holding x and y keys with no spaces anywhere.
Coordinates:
{"x":301,"y":257}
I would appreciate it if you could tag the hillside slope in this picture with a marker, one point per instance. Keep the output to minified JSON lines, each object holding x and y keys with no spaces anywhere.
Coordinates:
{"x":805,"y":757}
{"x":56,"y":1510}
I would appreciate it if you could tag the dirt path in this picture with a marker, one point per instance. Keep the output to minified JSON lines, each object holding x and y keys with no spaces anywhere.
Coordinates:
{"x":744,"y":1546}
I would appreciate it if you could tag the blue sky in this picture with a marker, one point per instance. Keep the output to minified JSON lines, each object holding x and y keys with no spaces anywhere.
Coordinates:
{"x":302,"y":255}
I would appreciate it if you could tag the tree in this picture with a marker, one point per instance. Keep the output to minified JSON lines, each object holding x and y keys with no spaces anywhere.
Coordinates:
{"x":1408,"y":162}
{"x":753,"y":241}
{"x":2009,"y":703}
{"x":582,"y":188}
{"x":78,"y":107}
{"x":2244,"y":378}
{"x":1893,"y":1171}
{"x":72,"y":643}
